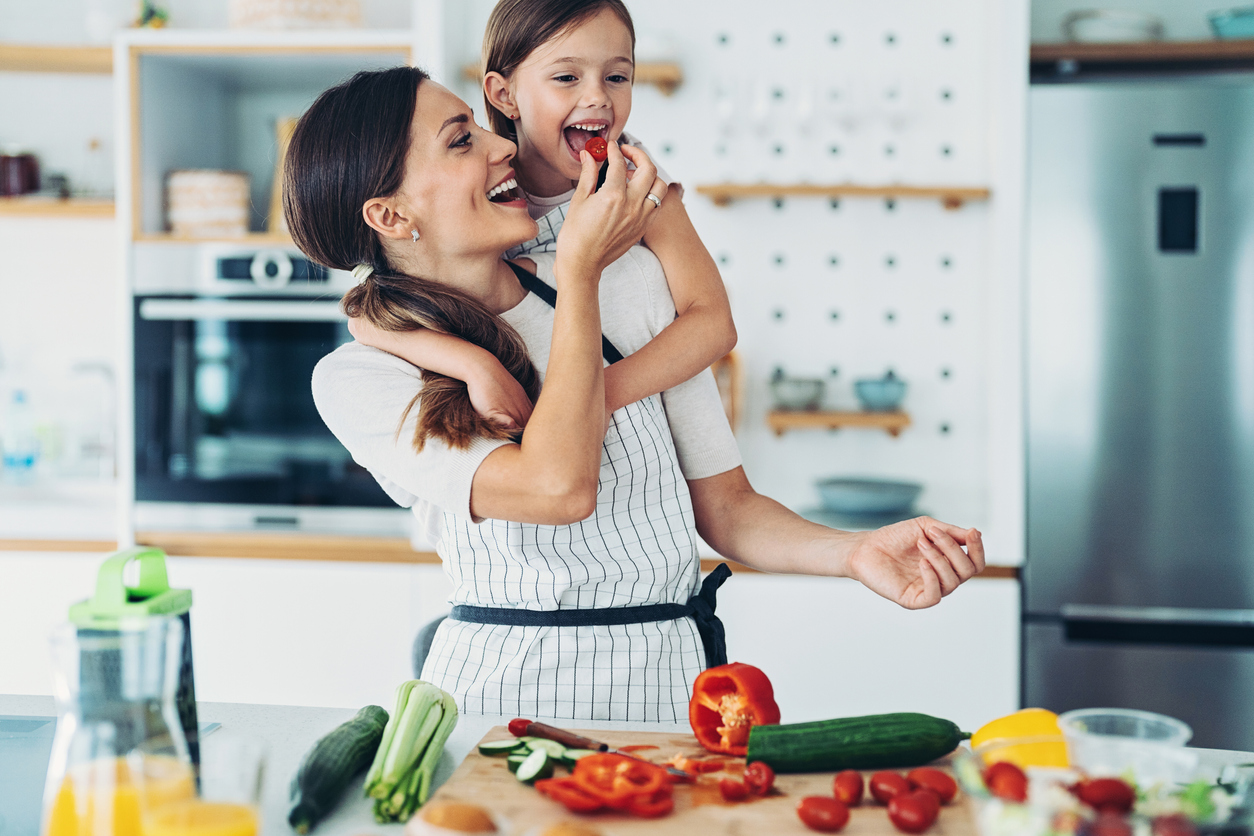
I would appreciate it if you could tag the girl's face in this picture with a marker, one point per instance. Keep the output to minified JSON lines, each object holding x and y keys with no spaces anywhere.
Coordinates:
{"x":454,"y":174}
{"x":572,"y":88}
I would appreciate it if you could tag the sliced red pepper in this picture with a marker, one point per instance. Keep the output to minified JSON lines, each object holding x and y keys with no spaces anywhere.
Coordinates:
{"x":617,"y":780}
{"x":570,"y":794}
{"x":727,"y":701}
{"x":651,"y":806}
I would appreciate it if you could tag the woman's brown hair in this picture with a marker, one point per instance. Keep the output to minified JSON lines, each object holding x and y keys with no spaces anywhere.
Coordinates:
{"x":349,"y":147}
{"x":517,"y":27}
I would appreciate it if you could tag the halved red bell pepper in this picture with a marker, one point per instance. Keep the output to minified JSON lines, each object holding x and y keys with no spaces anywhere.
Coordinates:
{"x":727,"y":701}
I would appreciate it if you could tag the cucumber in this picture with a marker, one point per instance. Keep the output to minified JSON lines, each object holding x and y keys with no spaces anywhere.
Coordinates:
{"x":573,"y":755}
{"x":550,"y":747}
{"x":877,"y":741}
{"x":331,"y":764}
{"x":515,"y":761}
{"x":537,"y":765}
{"x":499,"y":747}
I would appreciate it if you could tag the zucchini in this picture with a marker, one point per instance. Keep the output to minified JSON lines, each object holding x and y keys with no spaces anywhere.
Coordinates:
{"x":536,"y":766}
{"x":499,"y":747}
{"x":331,"y":764}
{"x":877,"y":741}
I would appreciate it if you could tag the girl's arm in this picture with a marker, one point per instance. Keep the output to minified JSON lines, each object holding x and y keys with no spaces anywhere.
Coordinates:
{"x":703,"y":330}
{"x":494,"y":393}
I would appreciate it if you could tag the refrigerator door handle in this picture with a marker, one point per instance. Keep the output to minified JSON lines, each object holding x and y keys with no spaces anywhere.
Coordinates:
{"x":1158,"y":625}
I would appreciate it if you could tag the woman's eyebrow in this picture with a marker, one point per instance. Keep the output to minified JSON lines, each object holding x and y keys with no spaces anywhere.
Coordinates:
{"x":453,"y":120}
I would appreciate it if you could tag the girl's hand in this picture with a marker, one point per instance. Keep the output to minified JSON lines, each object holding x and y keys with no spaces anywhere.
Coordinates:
{"x":602,"y":225}
{"x":498,"y":397}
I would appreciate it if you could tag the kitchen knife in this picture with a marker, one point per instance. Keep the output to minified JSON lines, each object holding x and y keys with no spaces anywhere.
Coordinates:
{"x":577,"y":741}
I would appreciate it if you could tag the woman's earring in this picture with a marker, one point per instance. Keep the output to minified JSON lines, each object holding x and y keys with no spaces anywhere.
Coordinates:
{"x":414,"y":232}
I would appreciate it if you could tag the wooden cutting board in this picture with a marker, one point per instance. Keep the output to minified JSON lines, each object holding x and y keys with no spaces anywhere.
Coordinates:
{"x":699,"y":809}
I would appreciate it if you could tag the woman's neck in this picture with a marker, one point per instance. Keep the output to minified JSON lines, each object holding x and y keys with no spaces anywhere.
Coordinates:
{"x":487,"y":278}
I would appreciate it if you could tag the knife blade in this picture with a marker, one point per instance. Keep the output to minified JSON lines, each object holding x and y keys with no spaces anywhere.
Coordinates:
{"x":577,"y":741}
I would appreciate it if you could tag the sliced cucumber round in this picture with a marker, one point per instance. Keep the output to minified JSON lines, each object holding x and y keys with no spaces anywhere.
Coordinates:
{"x":551,"y":747}
{"x":536,"y":766}
{"x":499,"y":747}
{"x":514,"y":761}
{"x":572,"y":755}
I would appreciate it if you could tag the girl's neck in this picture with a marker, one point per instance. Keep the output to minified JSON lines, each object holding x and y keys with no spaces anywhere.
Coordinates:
{"x":541,"y":180}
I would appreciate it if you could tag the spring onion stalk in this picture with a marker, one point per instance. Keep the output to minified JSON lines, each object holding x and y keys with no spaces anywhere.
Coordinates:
{"x":376,"y":768}
{"x":400,"y":778}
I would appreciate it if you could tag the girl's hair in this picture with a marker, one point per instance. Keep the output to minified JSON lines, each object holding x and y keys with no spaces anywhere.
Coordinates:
{"x":517,"y":27}
{"x":349,"y":147}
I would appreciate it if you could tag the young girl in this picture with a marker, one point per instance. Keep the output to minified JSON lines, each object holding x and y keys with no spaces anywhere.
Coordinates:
{"x":558,"y":72}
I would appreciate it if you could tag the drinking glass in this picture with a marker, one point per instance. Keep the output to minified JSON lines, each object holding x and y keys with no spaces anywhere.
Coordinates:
{"x":229,"y":799}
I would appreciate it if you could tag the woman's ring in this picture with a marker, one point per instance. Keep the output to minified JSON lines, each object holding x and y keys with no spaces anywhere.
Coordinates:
{"x":657,"y":201}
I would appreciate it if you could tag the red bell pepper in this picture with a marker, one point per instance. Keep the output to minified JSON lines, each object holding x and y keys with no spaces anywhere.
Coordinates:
{"x":727,"y":701}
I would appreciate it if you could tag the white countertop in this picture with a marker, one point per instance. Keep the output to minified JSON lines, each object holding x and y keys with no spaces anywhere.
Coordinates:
{"x":287,"y":733}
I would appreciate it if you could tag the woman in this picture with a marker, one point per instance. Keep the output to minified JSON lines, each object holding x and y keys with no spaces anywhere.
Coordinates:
{"x":572,"y":550}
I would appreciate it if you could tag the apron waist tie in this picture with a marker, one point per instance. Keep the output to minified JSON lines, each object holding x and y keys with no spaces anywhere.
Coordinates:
{"x":700,"y":607}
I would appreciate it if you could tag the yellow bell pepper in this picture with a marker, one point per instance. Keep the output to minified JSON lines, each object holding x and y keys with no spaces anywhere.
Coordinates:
{"x":1030,"y":737}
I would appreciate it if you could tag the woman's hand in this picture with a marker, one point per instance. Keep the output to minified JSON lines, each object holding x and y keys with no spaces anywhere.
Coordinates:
{"x":601,"y":225}
{"x":916,"y":562}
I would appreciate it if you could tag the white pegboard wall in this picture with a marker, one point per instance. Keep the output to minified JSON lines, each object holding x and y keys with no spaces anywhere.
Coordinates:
{"x":897,"y":91}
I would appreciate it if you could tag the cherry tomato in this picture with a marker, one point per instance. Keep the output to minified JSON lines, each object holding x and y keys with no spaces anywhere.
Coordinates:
{"x":826,"y":815}
{"x":885,"y":785}
{"x":760,"y":778}
{"x":927,"y":778}
{"x":518,"y":726}
{"x":1005,"y":780}
{"x":1109,"y":824}
{"x":598,"y":148}
{"x":1176,"y":824}
{"x":733,"y":789}
{"x":847,"y":786}
{"x":1106,"y":794}
{"x":913,"y":812}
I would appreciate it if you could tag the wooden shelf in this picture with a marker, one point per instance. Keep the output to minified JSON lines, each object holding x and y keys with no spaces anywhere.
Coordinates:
{"x":1064,"y":60}
{"x":30,"y":58}
{"x":280,"y":239}
{"x":951,"y":197}
{"x":665,"y":75}
{"x":52,"y":207}
{"x":782,"y":421}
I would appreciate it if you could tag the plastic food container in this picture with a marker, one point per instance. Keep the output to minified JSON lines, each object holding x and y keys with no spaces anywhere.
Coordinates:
{"x":1115,"y":741}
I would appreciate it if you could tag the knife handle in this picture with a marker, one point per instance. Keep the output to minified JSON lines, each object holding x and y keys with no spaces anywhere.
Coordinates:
{"x":568,"y":739}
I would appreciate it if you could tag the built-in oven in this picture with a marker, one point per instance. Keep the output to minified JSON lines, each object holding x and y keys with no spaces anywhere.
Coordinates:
{"x":226,"y":432}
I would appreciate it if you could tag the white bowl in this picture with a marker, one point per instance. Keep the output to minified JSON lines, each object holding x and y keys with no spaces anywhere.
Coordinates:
{"x":1114,"y":741}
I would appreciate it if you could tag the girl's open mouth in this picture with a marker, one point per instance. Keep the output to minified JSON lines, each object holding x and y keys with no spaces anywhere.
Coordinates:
{"x":578,"y":134}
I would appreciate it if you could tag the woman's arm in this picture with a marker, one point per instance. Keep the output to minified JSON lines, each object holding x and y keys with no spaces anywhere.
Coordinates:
{"x":703,"y":330}
{"x":494,"y":393}
{"x":914,"y":562}
{"x":550,"y":477}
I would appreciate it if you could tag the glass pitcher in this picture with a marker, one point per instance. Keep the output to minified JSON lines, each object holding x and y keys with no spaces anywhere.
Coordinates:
{"x":116,"y":698}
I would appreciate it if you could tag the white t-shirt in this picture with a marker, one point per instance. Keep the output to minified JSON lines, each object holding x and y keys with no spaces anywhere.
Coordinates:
{"x":361,"y":392}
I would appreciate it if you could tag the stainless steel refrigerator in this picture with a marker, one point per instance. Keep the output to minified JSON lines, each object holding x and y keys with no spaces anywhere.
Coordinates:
{"x":1139,"y":583}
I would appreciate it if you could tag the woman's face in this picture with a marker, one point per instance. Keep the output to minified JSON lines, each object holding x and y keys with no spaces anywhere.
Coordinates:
{"x":451,"y":168}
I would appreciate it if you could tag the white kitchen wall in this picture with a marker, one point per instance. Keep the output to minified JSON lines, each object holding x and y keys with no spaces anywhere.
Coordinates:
{"x":905,"y":91}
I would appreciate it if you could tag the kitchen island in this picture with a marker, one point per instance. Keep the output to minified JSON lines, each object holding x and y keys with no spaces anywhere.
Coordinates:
{"x":287,"y":732}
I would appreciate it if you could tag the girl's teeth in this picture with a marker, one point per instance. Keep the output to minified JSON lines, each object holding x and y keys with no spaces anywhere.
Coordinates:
{"x":503,"y":187}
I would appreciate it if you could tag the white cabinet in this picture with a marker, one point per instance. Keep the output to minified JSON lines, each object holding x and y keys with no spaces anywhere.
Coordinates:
{"x":832,"y":648}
